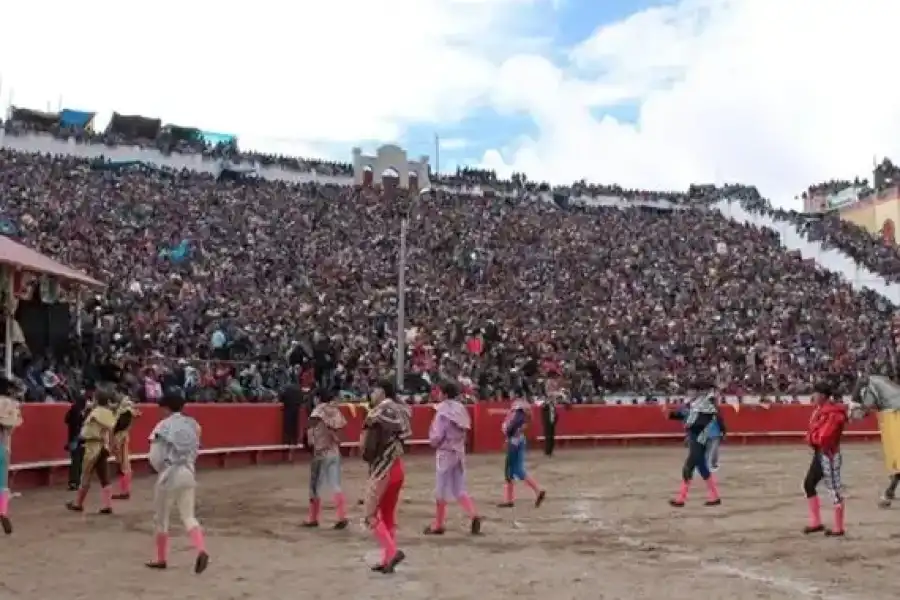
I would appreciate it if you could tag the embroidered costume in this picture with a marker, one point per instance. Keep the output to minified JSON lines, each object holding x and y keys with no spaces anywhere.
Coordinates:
{"x":126,"y":413}
{"x":174,"y":447}
{"x":323,"y":437}
{"x":10,"y":418}
{"x":95,"y":435}
{"x":449,"y":428}
{"x":386,"y":427}
{"x":700,"y":417}
{"x":514,"y":426}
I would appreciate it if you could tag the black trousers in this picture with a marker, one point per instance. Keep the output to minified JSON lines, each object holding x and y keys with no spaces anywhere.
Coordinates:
{"x":548,"y":416}
{"x":695,"y":461}
{"x":290,"y":424}
{"x":891,"y":490}
{"x":76,"y":458}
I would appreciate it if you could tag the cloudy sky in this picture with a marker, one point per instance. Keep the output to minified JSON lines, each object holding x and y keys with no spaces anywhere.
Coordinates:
{"x":779,"y":93}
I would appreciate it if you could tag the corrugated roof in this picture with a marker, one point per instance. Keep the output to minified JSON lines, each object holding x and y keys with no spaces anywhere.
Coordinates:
{"x":22,"y":257}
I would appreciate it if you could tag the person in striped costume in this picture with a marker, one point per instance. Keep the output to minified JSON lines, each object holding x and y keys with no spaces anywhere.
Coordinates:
{"x":447,"y":435}
{"x":699,"y":419}
{"x":826,"y":426}
{"x":386,"y":428}
{"x":174,"y":447}
{"x":10,"y":418}
{"x":325,"y":424}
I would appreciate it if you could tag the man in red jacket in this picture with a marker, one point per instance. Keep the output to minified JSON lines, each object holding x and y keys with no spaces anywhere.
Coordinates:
{"x":824,"y":436}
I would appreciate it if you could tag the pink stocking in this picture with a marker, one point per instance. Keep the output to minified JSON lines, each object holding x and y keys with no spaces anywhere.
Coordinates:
{"x":440,"y":515}
{"x":386,"y":541}
{"x":468,"y":505}
{"x":162,"y":547}
{"x":510,"y":492}
{"x":197,"y":539}
{"x":340,"y":504}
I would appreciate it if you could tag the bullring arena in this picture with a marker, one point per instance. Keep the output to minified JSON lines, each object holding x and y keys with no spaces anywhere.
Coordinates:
{"x":605,"y":532}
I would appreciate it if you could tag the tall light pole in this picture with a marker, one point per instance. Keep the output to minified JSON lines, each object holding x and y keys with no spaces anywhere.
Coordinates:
{"x":401,"y":291}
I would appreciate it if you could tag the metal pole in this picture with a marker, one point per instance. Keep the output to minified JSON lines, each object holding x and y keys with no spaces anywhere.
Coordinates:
{"x":437,"y":160}
{"x":401,"y":304}
{"x":10,"y":310}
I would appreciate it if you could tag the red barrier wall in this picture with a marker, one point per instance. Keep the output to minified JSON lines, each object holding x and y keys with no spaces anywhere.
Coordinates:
{"x":250,"y":433}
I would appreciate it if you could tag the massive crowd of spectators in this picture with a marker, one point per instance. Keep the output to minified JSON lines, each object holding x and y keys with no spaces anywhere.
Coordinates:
{"x":227,"y":286}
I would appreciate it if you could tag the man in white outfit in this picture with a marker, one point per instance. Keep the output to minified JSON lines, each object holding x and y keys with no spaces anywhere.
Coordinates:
{"x":174,"y":446}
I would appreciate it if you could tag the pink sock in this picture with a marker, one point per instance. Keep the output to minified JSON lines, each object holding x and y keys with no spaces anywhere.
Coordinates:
{"x":683,"y":491}
{"x":530,"y":482}
{"x":197,"y":540}
{"x":162,"y":547}
{"x":106,"y":493}
{"x":839,"y":518}
{"x":712,"y":488}
{"x":510,"y":492}
{"x":468,"y":505}
{"x":125,"y":483}
{"x":315,"y":506}
{"x":4,"y":502}
{"x":440,"y":514}
{"x":815,"y":511}
{"x":386,"y":541}
{"x":340,"y":504}
{"x":80,"y":496}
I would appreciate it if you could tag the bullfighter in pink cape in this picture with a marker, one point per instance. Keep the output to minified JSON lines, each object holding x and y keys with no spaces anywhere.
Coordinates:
{"x":447,"y":435}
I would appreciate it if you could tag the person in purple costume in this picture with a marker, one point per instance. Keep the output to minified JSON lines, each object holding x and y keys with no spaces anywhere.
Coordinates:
{"x":447,"y":435}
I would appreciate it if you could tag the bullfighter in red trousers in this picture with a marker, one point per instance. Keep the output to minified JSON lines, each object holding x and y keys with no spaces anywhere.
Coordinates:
{"x":826,"y":426}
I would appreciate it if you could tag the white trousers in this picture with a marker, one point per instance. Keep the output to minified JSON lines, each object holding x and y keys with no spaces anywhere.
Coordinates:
{"x":175,"y":489}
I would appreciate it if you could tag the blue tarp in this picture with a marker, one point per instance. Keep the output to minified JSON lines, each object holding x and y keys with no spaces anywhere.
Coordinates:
{"x":178,"y":253}
{"x":8,"y":227}
{"x":213,"y":138}
{"x":75,"y":118}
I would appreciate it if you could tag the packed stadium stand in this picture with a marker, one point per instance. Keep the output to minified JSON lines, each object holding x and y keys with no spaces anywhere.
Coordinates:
{"x":227,"y":269}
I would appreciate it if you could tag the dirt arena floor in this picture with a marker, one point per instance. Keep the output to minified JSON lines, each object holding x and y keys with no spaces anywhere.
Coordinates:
{"x":605,"y":532}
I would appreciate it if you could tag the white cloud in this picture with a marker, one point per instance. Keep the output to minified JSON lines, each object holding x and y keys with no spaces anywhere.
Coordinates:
{"x":291,"y":75}
{"x":453,"y":143}
{"x":780,"y":93}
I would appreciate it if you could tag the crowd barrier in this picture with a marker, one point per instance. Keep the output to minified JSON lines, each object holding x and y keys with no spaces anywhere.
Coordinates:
{"x":244,"y":434}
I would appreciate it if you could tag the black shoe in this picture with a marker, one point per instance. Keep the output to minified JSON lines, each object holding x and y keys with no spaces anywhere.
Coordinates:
{"x":310,"y":524}
{"x":6,"y":524}
{"x":201,"y":563}
{"x":833,"y":533}
{"x":342,"y":524}
{"x":809,"y":529}
{"x":157,"y":565}
{"x":506,"y":505}
{"x":475,"y":529}
{"x":73,"y":487}
{"x":676,"y":503}
{"x":540,"y":499}
{"x":434,"y":530}
{"x":74,"y":507}
{"x":105,"y":511}
{"x":716,"y":502}
{"x":389,"y":567}
{"x":121,"y":497}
